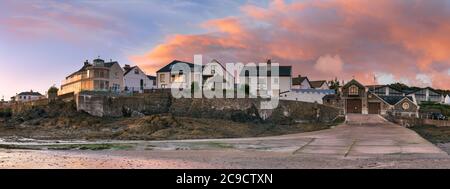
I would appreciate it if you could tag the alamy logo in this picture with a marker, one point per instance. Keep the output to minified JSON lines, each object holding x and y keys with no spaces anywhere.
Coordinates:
{"x":234,"y":80}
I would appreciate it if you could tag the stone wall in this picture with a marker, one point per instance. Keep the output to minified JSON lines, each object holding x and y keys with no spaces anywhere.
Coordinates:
{"x":437,"y":123}
{"x":241,"y":110}
{"x":19,"y":107}
{"x":118,"y":106}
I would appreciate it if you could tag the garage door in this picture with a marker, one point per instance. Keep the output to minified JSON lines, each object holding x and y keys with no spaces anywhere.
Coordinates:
{"x":374,"y":107}
{"x":354,"y":106}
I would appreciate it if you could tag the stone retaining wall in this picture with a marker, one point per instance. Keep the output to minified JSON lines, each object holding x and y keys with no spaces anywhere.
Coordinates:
{"x":229,"y":109}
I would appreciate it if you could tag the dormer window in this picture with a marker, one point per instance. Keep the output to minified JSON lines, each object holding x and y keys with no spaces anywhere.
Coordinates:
{"x":353,"y":90}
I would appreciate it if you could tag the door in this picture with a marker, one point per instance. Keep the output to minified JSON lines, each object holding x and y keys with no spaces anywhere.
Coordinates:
{"x":354,"y":106}
{"x":374,"y":107}
{"x":142,"y":85}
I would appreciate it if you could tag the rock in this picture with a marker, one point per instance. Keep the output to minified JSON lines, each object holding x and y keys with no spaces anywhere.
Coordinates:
{"x":137,"y":114}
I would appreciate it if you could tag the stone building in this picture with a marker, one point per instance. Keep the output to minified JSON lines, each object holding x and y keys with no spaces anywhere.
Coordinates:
{"x":361,"y":100}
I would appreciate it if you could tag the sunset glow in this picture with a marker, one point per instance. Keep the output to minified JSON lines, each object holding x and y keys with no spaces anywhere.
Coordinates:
{"x":384,"y":40}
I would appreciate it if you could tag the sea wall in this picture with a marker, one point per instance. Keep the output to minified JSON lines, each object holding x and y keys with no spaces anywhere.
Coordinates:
{"x":248,"y":109}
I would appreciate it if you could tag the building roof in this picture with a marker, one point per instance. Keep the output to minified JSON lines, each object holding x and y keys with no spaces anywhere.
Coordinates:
{"x":151,"y":77}
{"x":168,"y":67}
{"x":331,"y":96}
{"x":30,"y":93}
{"x":353,"y":82}
{"x":429,"y":88}
{"x":283,"y":71}
{"x":87,"y":65}
{"x":392,"y":100}
{"x":323,"y":91}
{"x":317,"y":84}
{"x":376,"y":86}
{"x":128,"y":69}
{"x":299,"y":80}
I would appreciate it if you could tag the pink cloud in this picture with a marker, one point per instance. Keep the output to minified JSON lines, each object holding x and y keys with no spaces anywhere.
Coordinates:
{"x":329,"y":64}
{"x":372,"y":36}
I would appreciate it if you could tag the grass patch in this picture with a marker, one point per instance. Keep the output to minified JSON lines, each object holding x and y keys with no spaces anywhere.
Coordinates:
{"x":433,"y":134}
{"x":17,"y":147}
{"x":435,"y":107}
{"x":90,"y":147}
{"x":68,"y":147}
{"x":214,"y":145}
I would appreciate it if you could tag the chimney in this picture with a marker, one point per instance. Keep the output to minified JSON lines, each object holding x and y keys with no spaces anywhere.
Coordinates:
{"x":127,"y":67}
{"x":299,"y":76}
{"x":86,"y":62}
{"x":269,"y":61}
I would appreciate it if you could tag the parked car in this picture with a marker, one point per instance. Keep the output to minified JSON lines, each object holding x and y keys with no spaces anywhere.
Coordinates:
{"x":438,"y":116}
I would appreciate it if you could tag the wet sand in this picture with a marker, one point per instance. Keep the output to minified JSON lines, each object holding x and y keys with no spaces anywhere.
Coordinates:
{"x":363,"y":142}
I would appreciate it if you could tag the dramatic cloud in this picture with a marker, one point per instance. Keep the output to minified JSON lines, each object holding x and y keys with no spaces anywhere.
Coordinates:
{"x":397,"y":38}
{"x":329,"y":64}
{"x":424,"y":79}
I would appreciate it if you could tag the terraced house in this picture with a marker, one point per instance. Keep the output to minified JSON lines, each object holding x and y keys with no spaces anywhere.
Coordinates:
{"x":171,"y":76}
{"x":96,"y":76}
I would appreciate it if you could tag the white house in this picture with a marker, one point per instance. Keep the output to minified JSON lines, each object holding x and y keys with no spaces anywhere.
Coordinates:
{"x":306,"y":95}
{"x":215,"y":68}
{"x":166,"y":78}
{"x":135,"y":80}
{"x":322,"y":84}
{"x":250,"y":75}
{"x":301,"y":83}
{"x":28,"y":96}
{"x":447,"y":99}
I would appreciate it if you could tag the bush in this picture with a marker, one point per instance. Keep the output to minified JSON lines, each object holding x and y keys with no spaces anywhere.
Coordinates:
{"x":249,"y":115}
{"x":5,"y":113}
{"x":435,"y":107}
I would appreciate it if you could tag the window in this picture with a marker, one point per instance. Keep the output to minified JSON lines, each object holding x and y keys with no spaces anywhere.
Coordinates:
{"x":136,"y":71}
{"x":405,"y":105}
{"x":213,"y":69}
{"x":353,"y":90}
{"x":115,"y":87}
{"x":162,"y":78}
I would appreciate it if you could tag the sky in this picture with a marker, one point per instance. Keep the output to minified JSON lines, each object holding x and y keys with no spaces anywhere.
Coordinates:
{"x":375,"y":42}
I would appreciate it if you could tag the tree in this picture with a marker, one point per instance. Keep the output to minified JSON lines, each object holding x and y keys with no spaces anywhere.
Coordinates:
{"x":53,"y":90}
{"x":400,"y":86}
{"x":52,"y":93}
{"x":335,"y":84}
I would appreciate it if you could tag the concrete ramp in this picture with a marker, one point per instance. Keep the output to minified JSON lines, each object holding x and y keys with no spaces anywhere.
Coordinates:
{"x":364,"y":119}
